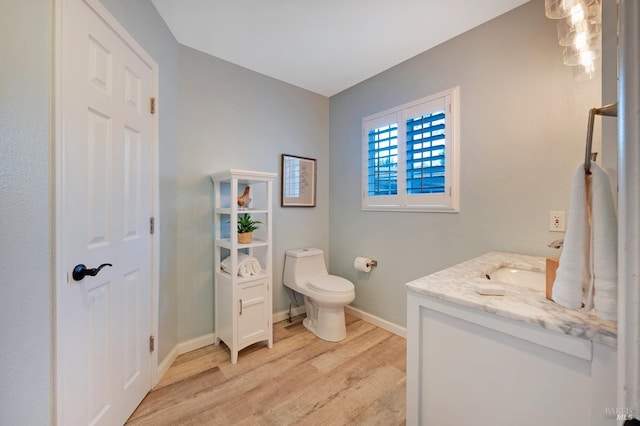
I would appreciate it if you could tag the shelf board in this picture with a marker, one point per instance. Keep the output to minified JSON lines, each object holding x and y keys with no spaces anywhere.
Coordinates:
{"x":243,"y":176}
{"x":227,"y":210}
{"x":226,"y":243}
{"x":241,"y":280}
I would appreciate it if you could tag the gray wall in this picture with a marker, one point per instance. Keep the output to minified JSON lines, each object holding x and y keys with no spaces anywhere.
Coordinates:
{"x":522,"y":137}
{"x":231,"y":117}
{"x":25,"y":211}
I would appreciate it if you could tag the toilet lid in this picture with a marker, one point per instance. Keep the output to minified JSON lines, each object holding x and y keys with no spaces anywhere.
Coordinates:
{"x":331,"y":283}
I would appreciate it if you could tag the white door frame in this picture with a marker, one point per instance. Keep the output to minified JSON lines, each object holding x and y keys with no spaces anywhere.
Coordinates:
{"x":60,"y":272}
{"x":628,"y":209}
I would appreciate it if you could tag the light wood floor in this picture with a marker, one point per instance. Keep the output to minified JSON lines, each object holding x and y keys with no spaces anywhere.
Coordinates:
{"x":302,"y":380}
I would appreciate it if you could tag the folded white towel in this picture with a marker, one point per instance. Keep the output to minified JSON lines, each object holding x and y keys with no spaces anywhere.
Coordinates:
{"x":573,"y":277}
{"x":604,"y":246}
{"x":247,"y":265}
{"x":588,"y":270}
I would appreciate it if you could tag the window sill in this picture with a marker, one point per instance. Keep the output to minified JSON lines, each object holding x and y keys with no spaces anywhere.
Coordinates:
{"x":411,"y":209}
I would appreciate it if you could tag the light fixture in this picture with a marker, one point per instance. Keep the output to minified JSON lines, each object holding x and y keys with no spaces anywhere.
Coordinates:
{"x":579,"y":27}
{"x":582,"y":54}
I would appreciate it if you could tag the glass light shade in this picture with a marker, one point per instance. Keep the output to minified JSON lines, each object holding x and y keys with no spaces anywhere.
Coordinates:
{"x":578,"y":29}
{"x":584,"y":55}
{"x":557,"y":9}
{"x":584,"y":72}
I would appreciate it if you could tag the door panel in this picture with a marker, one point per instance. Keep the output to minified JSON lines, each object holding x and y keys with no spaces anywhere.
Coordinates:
{"x":132,"y":183}
{"x":132,"y":333}
{"x":97,"y":347}
{"x":99,"y":192}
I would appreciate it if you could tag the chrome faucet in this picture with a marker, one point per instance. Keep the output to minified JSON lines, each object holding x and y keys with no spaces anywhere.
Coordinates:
{"x":556,"y":244}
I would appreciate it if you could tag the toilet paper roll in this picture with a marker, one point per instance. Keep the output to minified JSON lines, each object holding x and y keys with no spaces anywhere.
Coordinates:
{"x":362,"y":264}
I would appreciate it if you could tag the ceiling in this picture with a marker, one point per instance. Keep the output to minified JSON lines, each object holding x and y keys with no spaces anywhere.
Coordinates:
{"x":324,"y":46}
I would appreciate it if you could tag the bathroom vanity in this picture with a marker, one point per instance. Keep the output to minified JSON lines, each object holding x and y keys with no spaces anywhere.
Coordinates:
{"x":515,"y":358}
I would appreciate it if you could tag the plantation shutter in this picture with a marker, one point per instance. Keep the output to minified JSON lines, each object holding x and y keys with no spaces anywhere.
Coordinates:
{"x":410,"y":156}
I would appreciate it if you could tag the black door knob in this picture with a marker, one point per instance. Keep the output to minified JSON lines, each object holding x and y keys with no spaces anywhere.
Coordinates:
{"x":81,"y":271}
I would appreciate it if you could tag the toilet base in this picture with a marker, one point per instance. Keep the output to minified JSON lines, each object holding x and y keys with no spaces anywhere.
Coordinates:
{"x":327,"y":323}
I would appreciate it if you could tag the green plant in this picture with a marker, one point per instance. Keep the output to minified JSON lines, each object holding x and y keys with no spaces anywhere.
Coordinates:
{"x":246,"y":224}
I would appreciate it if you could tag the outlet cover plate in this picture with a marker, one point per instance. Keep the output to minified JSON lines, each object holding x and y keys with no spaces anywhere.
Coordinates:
{"x":557,"y":221}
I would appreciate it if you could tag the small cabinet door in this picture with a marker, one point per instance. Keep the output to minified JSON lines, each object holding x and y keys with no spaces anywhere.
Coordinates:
{"x":252,"y":317}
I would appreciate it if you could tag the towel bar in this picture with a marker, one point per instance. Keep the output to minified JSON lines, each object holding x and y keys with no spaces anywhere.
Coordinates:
{"x":610,"y":110}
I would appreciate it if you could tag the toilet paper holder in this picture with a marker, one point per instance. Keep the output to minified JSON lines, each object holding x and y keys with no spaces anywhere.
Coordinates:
{"x":364,"y":264}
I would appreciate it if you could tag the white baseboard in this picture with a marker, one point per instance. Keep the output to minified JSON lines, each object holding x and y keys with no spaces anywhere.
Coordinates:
{"x":377,"y":321}
{"x":182,"y":348}
{"x":196,"y":343}
{"x":283,"y":315}
{"x":165,"y":364}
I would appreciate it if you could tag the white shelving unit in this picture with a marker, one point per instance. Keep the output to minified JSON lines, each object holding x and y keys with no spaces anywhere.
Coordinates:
{"x":243,"y":305}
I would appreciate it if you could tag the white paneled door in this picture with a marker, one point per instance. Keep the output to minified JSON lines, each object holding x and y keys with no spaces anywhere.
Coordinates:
{"x":107,"y":128}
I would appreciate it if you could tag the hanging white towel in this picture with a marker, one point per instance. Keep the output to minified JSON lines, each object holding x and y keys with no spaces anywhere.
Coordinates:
{"x":604,"y":246}
{"x":573,"y":277}
{"x":247,"y":265}
{"x":587,"y":274}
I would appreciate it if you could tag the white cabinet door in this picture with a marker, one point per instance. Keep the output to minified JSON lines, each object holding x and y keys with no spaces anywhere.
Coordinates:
{"x":253,"y":319}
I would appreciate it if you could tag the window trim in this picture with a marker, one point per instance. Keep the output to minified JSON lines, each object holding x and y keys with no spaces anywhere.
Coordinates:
{"x":447,"y":202}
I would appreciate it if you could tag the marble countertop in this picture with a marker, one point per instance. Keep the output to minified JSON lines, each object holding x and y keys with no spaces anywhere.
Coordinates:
{"x":457,"y":284}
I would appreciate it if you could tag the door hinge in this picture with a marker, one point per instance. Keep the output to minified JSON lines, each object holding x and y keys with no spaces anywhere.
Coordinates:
{"x":152,"y":224}
{"x":152,"y":105}
{"x":152,"y":344}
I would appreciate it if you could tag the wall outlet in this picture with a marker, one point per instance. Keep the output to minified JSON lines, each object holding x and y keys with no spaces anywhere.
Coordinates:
{"x":557,"y":221}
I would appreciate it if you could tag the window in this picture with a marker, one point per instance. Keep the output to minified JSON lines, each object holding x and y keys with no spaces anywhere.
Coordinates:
{"x":410,"y":156}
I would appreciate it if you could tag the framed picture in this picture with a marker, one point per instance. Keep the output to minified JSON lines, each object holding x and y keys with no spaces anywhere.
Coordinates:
{"x":298,"y":181}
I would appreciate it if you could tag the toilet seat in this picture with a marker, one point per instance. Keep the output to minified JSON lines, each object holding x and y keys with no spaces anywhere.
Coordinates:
{"x":330,"y":284}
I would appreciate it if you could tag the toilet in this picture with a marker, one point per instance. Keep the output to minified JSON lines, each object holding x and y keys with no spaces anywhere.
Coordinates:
{"x":325,"y":296}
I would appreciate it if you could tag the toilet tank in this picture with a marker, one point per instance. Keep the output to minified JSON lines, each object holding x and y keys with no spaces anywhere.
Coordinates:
{"x":302,"y":264}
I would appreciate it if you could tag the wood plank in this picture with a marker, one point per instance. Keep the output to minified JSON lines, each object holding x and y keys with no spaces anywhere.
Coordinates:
{"x":330,"y":360}
{"x":368,"y":371}
{"x":194,"y":365}
{"x":290,"y":348}
{"x":359,"y":395}
{"x":388,"y":409}
{"x":301,"y":380}
{"x":174,"y":393}
{"x":269,"y":368}
{"x":190,"y":356}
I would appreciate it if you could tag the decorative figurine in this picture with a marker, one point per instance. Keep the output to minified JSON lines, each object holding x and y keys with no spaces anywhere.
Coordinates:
{"x":244,"y":200}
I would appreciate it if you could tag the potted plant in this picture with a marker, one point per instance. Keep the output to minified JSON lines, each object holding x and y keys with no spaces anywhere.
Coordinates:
{"x":246,"y":226}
